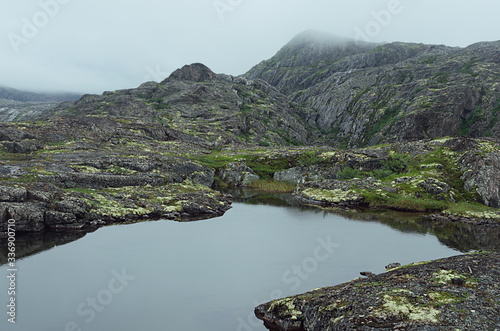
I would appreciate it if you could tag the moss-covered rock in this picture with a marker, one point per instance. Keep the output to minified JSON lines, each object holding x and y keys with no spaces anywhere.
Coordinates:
{"x":454,"y":293}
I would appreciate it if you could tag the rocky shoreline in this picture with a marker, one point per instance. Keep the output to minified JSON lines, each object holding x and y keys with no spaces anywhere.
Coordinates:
{"x":457,"y":293}
{"x":73,"y":187}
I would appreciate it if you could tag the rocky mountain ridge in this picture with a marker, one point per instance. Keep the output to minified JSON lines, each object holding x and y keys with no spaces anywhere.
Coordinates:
{"x":361,"y":94}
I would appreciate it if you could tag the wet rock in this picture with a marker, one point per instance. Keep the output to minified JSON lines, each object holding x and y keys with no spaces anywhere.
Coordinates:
{"x":461,"y":144}
{"x":392,"y":265}
{"x":367,"y":273}
{"x":72,"y":180}
{"x":298,"y":175}
{"x":338,"y":193}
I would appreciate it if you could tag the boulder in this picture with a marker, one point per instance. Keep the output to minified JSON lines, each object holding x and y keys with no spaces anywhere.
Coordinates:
{"x":238,"y":174}
{"x":434,"y":186}
{"x":12,"y":194}
{"x":482,"y":175}
{"x":29,"y":216}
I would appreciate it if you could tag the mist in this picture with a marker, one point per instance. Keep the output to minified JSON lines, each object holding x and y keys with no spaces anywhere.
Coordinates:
{"x":93,"y":46}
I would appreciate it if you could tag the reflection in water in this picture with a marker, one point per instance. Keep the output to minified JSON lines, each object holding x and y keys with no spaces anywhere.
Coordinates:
{"x":34,"y":243}
{"x":209,"y":275}
{"x":459,"y":236}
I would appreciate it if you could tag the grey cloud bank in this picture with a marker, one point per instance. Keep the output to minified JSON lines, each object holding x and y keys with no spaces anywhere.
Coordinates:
{"x":91,"y":46}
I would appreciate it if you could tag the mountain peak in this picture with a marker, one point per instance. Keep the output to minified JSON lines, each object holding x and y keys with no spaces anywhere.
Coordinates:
{"x":317,"y":36}
{"x":196,"y":72}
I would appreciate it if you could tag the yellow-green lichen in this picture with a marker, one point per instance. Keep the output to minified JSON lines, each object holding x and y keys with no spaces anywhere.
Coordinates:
{"x":401,"y":305}
{"x":286,"y":305}
{"x":445,"y":276}
{"x":85,"y":168}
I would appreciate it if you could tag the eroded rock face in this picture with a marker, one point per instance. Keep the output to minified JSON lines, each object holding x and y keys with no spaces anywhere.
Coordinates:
{"x":362,"y":94}
{"x":482,"y":175}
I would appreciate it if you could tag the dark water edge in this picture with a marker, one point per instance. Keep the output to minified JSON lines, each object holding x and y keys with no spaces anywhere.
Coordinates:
{"x":456,"y":235}
{"x":460,"y":236}
{"x":209,"y":275}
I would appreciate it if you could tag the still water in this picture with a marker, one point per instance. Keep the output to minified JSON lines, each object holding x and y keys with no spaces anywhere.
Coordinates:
{"x":205,"y":275}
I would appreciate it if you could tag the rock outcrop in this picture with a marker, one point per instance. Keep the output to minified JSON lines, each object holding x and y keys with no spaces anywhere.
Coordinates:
{"x":238,"y":174}
{"x":482,"y":175}
{"x":454,"y":293}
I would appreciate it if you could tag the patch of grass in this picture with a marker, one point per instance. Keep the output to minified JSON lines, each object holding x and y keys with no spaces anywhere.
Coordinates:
{"x":272,"y":186}
{"x":358,"y":96}
{"x":428,"y":59}
{"x":245,"y":108}
{"x":494,"y":116}
{"x":467,"y":67}
{"x":442,"y":77}
{"x":397,"y":163}
{"x":310,"y":158}
{"x":348,"y":173}
{"x":467,"y":122}
{"x":389,"y":115}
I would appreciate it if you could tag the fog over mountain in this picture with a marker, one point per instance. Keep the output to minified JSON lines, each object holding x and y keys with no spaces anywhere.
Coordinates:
{"x":93,"y":46}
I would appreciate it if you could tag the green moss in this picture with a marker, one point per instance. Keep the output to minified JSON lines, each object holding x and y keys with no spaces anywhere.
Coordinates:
{"x":468,"y":122}
{"x":389,"y":115}
{"x":272,"y":186}
{"x":445,"y":298}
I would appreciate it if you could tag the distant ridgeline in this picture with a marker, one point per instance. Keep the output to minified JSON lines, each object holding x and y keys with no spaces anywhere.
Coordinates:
{"x":318,"y":89}
{"x":16,"y":105}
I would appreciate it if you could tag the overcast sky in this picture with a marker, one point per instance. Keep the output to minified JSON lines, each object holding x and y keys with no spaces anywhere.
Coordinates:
{"x":91,"y":46}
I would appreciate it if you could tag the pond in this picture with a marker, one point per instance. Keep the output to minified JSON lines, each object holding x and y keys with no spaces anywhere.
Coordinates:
{"x":209,"y":275}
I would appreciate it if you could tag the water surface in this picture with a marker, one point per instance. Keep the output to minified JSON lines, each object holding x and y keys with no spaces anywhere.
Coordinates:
{"x":206,"y":275}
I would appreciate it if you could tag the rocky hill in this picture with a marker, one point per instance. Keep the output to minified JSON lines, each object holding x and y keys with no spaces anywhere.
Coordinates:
{"x":217,"y":108}
{"x":360,"y":94}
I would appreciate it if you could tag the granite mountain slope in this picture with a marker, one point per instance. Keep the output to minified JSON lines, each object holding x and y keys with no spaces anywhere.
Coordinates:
{"x":361,"y":94}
